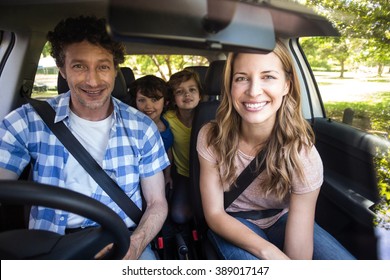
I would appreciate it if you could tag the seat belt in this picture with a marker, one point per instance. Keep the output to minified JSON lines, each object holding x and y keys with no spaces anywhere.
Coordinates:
{"x":242,"y":182}
{"x":70,"y":142}
{"x":244,"y":179}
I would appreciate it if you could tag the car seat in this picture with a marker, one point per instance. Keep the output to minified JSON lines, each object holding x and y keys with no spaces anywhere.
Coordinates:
{"x":120,"y":88}
{"x":201,"y":70}
{"x":213,"y":79}
{"x":204,"y":113}
{"x":128,"y":74}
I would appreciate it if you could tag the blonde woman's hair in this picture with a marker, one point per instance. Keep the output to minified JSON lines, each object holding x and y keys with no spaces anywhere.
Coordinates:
{"x":290,"y":134}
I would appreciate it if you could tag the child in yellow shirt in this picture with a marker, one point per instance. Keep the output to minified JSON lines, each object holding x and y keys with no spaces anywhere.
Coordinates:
{"x":186,"y":90}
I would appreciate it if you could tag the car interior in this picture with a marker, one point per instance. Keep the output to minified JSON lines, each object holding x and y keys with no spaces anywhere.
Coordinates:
{"x":209,"y":28}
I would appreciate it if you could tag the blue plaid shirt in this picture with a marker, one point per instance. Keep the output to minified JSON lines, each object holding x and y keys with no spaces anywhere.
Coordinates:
{"x":135,"y":150}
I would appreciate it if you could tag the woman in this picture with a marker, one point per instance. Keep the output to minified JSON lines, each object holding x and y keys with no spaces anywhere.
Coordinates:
{"x":261,"y":110}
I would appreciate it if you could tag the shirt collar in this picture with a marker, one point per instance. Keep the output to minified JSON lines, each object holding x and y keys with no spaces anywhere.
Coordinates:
{"x":62,"y":109}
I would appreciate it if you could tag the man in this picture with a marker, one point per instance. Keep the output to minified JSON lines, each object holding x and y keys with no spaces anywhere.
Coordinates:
{"x":126,"y":143}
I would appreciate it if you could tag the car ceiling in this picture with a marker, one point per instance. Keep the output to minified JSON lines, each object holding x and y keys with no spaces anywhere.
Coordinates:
{"x":39,"y":16}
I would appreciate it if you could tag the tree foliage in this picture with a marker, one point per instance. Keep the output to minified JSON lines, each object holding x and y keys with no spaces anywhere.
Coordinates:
{"x":324,"y":52}
{"x":46,"y":49}
{"x":382,"y":208}
{"x":367,"y":19}
{"x":162,"y":65}
{"x":364,"y":19}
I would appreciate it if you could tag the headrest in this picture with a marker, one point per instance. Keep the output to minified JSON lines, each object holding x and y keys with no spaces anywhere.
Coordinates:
{"x":128,"y":74}
{"x":120,"y":88}
{"x":62,"y":84}
{"x":201,"y":70}
{"x":214,"y":77}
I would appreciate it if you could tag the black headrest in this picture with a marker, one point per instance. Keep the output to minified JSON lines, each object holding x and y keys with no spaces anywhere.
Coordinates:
{"x":201,"y":70}
{"x":62,"y":84}
{"x":128,"y":74}
{"x":120,"y":88}
{"x":214,"y":77}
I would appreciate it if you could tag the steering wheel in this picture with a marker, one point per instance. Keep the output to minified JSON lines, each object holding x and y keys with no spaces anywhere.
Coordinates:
{"x":40,"y":244}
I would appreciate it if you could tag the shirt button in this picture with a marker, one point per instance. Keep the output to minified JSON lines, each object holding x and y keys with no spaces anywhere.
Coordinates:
{"x":62,"y":218}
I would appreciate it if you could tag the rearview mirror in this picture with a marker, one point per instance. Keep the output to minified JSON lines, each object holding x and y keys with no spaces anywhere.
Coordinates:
{"x":206,"y":24}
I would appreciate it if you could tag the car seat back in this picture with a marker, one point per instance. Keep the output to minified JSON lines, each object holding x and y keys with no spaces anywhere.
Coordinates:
{"x":214,"y":79}
{"x":128,"y":74}
{"x":201,"y":71}
{"x":204,"y":113}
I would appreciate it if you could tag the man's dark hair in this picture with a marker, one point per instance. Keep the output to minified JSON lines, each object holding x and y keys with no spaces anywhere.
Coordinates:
{"x":76,"y":30}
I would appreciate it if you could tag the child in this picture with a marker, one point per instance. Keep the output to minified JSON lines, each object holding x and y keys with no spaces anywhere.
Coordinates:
{"x":149,"y":94}
{"x":186,"y":89}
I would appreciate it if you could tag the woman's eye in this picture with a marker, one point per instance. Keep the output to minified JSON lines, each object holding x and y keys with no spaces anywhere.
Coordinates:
{"x":240,"y":79}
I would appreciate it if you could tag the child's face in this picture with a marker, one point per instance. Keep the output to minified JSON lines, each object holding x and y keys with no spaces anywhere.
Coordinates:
{"x":151,"y":107}
{"x":187,"y":95}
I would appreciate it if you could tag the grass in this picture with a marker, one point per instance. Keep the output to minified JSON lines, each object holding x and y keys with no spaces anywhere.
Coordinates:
{"x":369,"y":115}
{"x":44,"y":94}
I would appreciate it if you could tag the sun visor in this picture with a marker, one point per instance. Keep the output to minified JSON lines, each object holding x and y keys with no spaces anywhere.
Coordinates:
{"x":204,"y":24}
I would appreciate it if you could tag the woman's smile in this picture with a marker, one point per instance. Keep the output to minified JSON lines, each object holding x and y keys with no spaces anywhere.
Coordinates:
{"x":255,"y":106}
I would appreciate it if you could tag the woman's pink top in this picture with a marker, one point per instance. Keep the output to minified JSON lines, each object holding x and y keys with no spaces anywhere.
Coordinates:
{"x":253,"y":197}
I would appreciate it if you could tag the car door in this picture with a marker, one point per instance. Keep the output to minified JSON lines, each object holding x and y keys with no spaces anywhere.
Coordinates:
{"x":350,"y":201}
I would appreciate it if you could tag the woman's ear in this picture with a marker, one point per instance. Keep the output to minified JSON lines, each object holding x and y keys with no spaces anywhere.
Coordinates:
{"x":287,"y":87}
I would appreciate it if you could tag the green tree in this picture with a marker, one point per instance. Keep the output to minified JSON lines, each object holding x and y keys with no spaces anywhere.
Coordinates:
{"x":162,"y":65}
{"x":382,"y":208}
{"x":321,"y":51}
{"x":367,"y":19}
{"x":312,"y":47}
{"x":46,"y":49}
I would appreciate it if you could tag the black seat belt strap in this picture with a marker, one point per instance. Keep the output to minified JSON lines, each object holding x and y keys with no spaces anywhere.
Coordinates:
{"x":244,"y":179}
{"x":242,"y":182}
{"x":70,"y":142}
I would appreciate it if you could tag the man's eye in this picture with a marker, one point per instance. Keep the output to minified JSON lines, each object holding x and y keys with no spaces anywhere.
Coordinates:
{"x":77,"y":66}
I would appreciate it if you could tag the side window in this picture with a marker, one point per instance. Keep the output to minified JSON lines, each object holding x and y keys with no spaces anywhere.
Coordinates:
{"x":45,"y":83}
{"x":354,"y":90}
